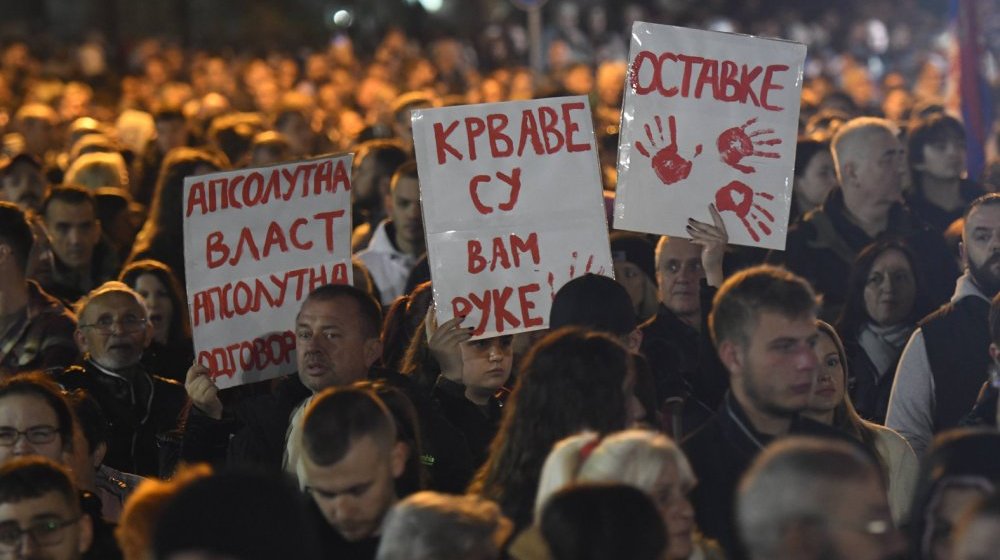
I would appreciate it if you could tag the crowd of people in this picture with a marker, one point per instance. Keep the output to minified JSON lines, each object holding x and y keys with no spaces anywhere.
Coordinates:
{"x":834,"y":400}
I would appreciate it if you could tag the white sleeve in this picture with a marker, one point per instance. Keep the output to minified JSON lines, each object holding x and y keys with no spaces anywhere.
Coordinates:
{"x":911,"y":404}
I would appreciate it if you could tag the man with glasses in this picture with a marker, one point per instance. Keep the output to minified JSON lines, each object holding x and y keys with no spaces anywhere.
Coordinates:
{"x":113,"y":331}
{"x":809,"y":498}
{"x":40,"y":515}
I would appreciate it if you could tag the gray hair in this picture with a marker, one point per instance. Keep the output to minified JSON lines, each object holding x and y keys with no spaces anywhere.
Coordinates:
{"x":847,"y":142}
{"x":792,"y":481}
{"x":434,"y":526}
{"x":632,"y":457}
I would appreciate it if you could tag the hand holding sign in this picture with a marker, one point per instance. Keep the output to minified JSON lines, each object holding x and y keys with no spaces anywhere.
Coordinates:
{"x":735,"y":144}
{"x":738,"y":198}
{"x":202,"y":391}
{"x":713,"y":239}
{"x":668,"y":164}
{"x":443,"y":341}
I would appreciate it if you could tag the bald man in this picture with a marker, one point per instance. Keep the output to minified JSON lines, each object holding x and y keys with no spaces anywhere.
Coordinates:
{"x":867,"y":207}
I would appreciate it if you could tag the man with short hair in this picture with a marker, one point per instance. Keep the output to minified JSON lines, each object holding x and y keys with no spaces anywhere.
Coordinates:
{"x":675,"y":340}
{"x":114,"y":331}
{"x":813,"y":499}
{"x":36,"y":331}
{"x":867,"y":207}
{"x":375,"y":162}
{"x":398,"y":242}
{"x":763,"y":323}
{"x":947,"y":358}
{"x":351,"y":460}
{"x":40,"y":514}
{"x":83,"y":260}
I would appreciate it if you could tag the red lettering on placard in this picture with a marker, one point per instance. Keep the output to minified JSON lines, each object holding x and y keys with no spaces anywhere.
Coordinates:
{"x":492,"y":305}
{"x":258,"y":354}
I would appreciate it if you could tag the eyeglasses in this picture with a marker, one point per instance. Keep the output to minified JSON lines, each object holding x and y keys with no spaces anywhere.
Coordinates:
{"x":105,"y":325}
{"x":45,"y":533}
{"x":35,"y":434}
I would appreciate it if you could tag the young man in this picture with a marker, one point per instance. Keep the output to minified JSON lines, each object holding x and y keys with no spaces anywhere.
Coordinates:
{"x":813,"y":499}
{"x":398,"y":242}
{"x":36,"y":331}
{"x":351,"y":460}
{"x":40,"y":515}
{"x":763,"y":323}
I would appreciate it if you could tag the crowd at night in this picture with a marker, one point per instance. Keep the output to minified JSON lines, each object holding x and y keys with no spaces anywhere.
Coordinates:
{"x":836,"y":399}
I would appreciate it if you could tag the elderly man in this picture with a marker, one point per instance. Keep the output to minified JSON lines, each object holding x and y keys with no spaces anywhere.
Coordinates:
{"x":867,"y":207}
{"x":36,"y":331}
{"x":114,"y":330}
{"x":812,"y":499}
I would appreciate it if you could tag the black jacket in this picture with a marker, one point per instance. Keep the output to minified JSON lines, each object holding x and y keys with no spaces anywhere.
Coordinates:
{"x":479,"y":425}
{"x":140,"y":414}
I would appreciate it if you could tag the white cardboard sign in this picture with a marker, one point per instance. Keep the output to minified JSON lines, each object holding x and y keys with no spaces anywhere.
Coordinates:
{"x":513,"y":209}
{"x":708,"y":117}
{"x":256,"y":242}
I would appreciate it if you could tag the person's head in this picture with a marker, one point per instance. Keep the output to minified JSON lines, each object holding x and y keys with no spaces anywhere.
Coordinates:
{"x":167,"y":212}
{"x":351,"y":459}
{"x":171,"y":128}
{"x":161,"y":292}
{"x":571,"y":380}
{"x":22,"y":182}
{"x":36,"y":122}
{"x":35,"y":418}
{"x":815,"y":175}
{"x":977,"y":536}
{"x":635,"y":269}
{"x":40,"y":515}
{"x":70,"y":214}
{"x":98,"y":169}
{"x":375,"y":161}
{"x":678,"y":273}
{"x":486,"y":365}
{"x":142,"y":510}
{"x":90,"y":438}
{"x":763,"y":323}
{"x":808,"y":498}
{"x":401,"y":109}
{"x":113,"y":328}
{"x":433,"y":526}
{"x":269,"y":148}
{"x":883,"y":288}
{"x":16,"y":240}
{"x":404,"y":206}
{"x":871,"y":166}
{"x":981,"y":242}
{"x":961,"y":467}
{"x":337,"y":336}
{"x":597,"y":521}
{"x":936,"y":148}
{"x":597,"y":302}
{"x":646,"y":460}
{"x":292,"y":122}
{"x":235,"y":516}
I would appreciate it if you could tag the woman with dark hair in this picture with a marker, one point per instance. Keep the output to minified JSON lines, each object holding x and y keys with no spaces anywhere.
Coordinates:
{"x":171,"y":352}
{"x":885,"y":299}
{"x":572,"y":380}
{"x":815,"y":176}
{"x":162,"y":237}
{"x":961,"y":468}
{"x":831,"y":405}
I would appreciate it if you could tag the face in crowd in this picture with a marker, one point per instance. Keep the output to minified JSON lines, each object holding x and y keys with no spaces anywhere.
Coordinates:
{"x":159,"y":303}
{"x":486,"y":365}
{"x":46,"y":527}
{"x":891,"y":289}
{"x":331,"y":346}
{"x":74,"y":231}
{"x":23,"y":184}
{"x":981,"y":247}
{"x":405,"y":212}
{"x":29,"y":426}
{"x":678,"y":274}
{"x":114,"y":330}
{"x":830,"y":378}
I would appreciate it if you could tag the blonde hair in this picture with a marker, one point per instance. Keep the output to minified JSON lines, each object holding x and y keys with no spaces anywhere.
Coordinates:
{"x":98,"y":169}
{"x":633,"y":457}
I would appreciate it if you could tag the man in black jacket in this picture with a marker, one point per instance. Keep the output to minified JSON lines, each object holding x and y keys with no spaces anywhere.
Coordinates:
{"x":763,"y":322}
{"x":114,"y":330}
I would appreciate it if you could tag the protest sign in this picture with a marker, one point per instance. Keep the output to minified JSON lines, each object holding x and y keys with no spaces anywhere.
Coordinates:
{"x":708,"y":117}
{"x":513,"y":208}
{"x":256,"y":242}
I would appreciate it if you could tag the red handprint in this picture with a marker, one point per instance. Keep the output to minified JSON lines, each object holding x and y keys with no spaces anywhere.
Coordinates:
{"x":738,"y":198}
{"x":669,"y":165}
{"x":735,"y":144}
{"x":572,"y":271}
